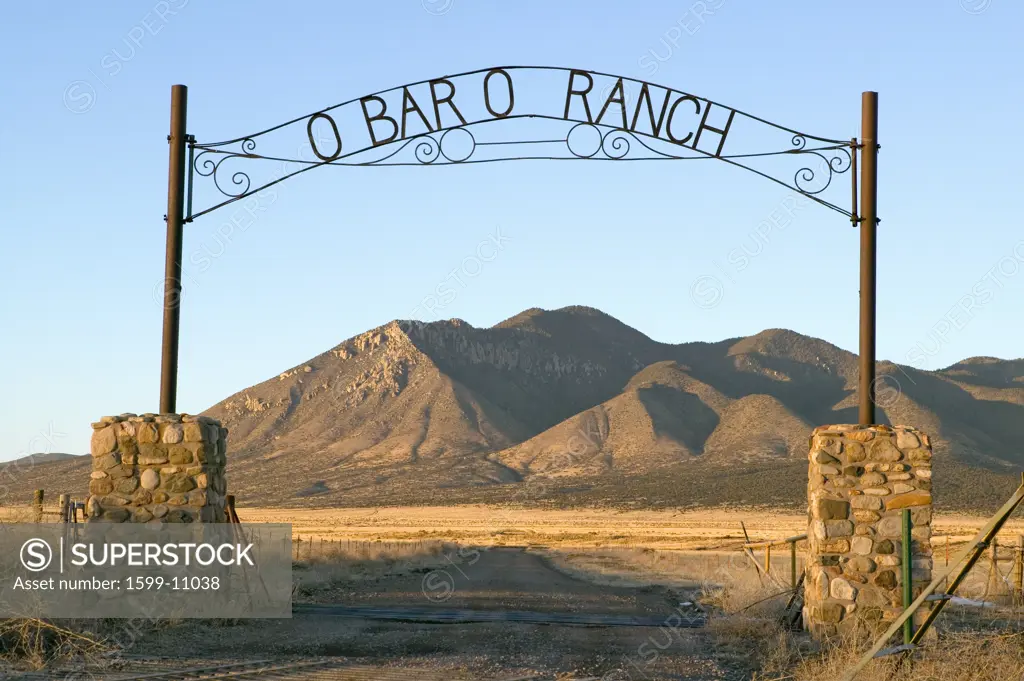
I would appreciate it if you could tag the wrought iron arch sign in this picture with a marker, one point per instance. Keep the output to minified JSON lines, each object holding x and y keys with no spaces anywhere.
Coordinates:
{"x":466,"y":118}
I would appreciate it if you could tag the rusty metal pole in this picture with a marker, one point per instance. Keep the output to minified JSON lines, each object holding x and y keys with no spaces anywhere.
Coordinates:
{"x":868,"y":231}
{"x":172,"y":265}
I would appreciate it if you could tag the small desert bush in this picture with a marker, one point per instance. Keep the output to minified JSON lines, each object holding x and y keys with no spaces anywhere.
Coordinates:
{"x":968,"y":656}
{"x":36,"y":643}
{"x":33,"y":642}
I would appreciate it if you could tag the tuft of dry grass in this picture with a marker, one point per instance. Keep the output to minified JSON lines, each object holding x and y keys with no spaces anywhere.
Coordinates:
{"x":37,"y":642}
{"x":972,"y":656}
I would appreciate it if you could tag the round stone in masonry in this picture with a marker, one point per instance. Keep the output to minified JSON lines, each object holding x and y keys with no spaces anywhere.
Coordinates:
{"x":869,"y":479}
{"x":884,"y":450}
{"x":907,"y":440}
{"x":841,"y":589}
{"x":838,"y":528}
{"x":147,"y":433}
{"x":885,"y":579}
{"x":860,"y":436}
{"x":103,"y":441}
{"x":862,"y":545}
{"x":150,"y":479}
{"x":866,"y":503}
{"x":193,"y":432}
{"x":172,"y":434}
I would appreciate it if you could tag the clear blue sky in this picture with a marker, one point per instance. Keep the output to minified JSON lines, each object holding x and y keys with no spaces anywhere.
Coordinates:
{"x":85,"y":92}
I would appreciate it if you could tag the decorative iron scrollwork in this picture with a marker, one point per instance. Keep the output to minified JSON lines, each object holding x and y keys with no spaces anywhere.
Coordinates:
{"x":837,"y":163}
{"x":205,"y":166}
{"x":656,"y":127}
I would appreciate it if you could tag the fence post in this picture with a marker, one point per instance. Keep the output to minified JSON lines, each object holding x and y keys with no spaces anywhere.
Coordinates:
{"x":946,"y":586}
{"x":37,"y":502}
{"x":1018,"y":568}
{"x":768,"y":559}
{"x":908,"y":574}
{"x":792,"y":564}
{"x":993,"y":569}
{"x":62,"y":504}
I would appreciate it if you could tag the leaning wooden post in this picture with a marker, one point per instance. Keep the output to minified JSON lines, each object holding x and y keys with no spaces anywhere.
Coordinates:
{"x":1018,"y":568}
{"x":768,"y":558}
{"x":37,"y":503}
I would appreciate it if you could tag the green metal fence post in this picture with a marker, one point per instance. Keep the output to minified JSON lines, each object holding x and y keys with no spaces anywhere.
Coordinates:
{"x":908,"y":587}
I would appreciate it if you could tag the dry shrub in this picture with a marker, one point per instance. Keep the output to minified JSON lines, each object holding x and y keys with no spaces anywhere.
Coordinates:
{"x":33,"y":642}
{"x":973,"y":645}
{"x":745,"y":620}
{"x":974,"y":656}
{"x":37,"y":642}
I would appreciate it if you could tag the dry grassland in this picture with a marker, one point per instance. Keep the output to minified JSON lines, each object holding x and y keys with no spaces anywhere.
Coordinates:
{"x":701,"y":530}
{"x":369,"y":555}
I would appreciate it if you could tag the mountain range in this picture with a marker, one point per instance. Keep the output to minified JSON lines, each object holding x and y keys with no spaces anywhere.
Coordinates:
{"x":573,"y":407}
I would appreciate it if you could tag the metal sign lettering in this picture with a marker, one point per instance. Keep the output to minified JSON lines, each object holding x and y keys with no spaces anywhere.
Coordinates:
{"x":518,"y":113}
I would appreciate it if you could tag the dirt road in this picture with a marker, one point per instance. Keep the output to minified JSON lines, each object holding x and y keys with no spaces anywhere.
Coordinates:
{"x":505,"y":579}
{"x":493,"y":581}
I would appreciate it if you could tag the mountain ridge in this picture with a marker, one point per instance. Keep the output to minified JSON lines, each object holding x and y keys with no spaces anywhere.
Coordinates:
{"x":574,"y":399}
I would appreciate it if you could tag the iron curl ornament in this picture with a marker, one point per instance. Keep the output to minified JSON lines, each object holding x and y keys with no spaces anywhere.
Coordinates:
{"x":473,"y":117}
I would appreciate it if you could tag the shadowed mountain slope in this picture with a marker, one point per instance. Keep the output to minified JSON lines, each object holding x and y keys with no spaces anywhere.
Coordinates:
{"x":575,"y":406}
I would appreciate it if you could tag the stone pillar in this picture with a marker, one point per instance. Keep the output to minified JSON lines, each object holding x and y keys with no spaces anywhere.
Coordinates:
{"x":166,"y":468}
{"x":860,"y":480}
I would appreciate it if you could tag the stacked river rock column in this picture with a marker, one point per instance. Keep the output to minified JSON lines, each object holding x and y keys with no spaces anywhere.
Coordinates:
{"x":165,"y":468}
{"x":860,"y":480}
